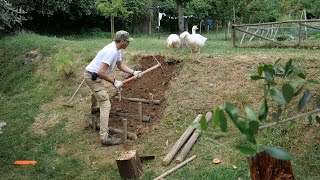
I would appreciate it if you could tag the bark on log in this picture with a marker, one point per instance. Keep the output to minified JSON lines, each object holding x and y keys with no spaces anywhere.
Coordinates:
{"x":130,"y":135}
{"x":187,"y":147}
{"x":147,"y":101}
{"x":129,"y":165}
{"x":183,"y":138}
{"x":265,"y":167}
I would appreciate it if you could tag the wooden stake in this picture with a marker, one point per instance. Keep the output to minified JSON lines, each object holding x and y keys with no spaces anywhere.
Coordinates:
{"x":151,"y":98}
{"x":175,"y":168}
{"x":125,"y":126}
{"x":183,"y":138}
{"x":94,"y":122}
{"x":119,"y":95}
{"x":140,"y":111}
{"x":187,"y":147}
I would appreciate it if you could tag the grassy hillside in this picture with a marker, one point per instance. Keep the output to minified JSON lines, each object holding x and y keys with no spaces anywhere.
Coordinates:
{"x":40,"y":128}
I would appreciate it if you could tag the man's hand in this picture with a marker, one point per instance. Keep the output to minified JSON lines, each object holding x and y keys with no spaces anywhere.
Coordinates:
{"x":117,"y":84}
{"x":137,"y":74}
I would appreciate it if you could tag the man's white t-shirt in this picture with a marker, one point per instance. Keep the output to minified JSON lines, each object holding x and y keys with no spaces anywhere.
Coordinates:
{"x":109,"y":55}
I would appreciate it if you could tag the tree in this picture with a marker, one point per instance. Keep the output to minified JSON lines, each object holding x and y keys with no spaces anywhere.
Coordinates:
{"x":113,"y":8}
{"x":10,"y":16}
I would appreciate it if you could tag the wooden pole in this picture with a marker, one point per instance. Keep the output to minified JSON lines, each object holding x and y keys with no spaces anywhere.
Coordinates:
{"x":146,"y":101}
{"x":258,"y":36}
{"x":175,"y":168}
{"x":187,"y":147}
{"x":183,"y":138}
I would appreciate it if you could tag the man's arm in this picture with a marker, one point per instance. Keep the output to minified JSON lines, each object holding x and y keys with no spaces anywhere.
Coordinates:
{"x":123,"y":67}
{"x":102,"y":73}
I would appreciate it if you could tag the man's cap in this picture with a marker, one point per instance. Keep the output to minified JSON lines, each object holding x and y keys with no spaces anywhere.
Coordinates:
{"x":122,"y":35}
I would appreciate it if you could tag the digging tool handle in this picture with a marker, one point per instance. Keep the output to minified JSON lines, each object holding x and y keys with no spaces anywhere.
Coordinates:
{"x":142,"y":73}
{"x":76,"y":91}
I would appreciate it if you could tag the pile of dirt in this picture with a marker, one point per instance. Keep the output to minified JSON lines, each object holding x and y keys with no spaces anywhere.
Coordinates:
{"x":154,"y":83}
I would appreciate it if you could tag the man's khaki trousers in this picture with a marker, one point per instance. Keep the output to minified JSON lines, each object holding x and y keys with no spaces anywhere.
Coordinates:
{"x":100,"y":95}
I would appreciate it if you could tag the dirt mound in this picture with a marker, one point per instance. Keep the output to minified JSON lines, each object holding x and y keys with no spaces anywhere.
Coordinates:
{"x":152,"y":85}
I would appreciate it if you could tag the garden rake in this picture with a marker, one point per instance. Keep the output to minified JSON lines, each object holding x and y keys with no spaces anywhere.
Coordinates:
{"x":67,"y":104}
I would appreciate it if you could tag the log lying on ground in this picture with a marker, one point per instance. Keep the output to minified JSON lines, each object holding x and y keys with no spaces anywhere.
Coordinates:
{"x":130,"y":135}
{"x":147,"y":101}
{"x":183,"y":138}
{"x":129,"y":165}
{"x":175,"y":168}
{"x":187,"y":147}
{"x":125,"y":115}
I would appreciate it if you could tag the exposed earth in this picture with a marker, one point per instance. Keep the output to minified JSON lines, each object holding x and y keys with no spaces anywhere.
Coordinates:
{"x":152,"y":84}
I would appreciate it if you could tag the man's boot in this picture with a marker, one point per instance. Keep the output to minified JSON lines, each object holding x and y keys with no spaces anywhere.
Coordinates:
{"x":109,"y":140}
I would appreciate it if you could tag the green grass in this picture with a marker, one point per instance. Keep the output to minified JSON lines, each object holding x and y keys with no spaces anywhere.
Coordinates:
{"x":25,"y":89}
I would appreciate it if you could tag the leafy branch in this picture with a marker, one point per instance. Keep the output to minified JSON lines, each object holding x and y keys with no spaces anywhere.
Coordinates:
{"x":282,"y":84}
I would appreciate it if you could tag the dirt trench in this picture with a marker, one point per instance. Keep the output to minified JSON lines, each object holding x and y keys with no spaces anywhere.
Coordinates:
{"x":154,"y":83}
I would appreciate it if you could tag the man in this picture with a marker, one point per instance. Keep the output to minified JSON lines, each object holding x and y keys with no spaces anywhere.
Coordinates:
{"x":100,"y":69}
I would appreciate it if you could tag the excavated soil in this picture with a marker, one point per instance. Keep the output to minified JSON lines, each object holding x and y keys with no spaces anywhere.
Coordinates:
{"x":154,"y":83}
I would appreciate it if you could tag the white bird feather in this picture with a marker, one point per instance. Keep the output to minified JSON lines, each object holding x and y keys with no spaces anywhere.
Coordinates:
{"x":173,"y":41}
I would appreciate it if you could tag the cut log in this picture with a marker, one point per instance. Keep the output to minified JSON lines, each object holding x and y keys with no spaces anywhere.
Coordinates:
{"x":183,"y":138}
{"x":265,"y":167}
{"x":187,"y":147}
{"x":147,"y":101}
{"x":129,"y":165}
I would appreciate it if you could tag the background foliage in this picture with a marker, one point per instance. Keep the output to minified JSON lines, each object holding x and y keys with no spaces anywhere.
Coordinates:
{"x":52,"y":16}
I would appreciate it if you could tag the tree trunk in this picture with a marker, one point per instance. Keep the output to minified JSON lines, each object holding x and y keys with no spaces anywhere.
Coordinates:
{"x":265,"y":167}
{"x":180,"y":15}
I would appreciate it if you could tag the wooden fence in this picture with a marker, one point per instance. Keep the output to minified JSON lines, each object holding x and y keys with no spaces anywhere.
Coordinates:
{"x":295,"y":33}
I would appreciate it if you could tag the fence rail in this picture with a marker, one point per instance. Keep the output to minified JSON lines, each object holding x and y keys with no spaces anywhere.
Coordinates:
{"x":284,"y":33}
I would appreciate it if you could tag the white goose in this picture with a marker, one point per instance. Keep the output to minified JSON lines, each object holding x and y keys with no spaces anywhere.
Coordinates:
{"x":173,"y":41}
{"x":195,"y":41}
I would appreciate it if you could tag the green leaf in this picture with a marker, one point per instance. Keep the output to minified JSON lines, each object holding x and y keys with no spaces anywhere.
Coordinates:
{"x":278,"y":153}
{"x":304,"y":99}
{"x":302,"y":75}
{"x":197,"y":126}
{"x":260,"y":70}
{"x":288,"y":92}
{"x":254,"y":126}
{"x":246,"y":150}
{"x":269,"y":73}
{"x":251,"y":114}
{"x":220,"y":119}
{"x":277,"y":95}
{"x":263,"y":111}
{"x":203,"y":123}
{"x":256,"y":77}
{"x":231,"y":111}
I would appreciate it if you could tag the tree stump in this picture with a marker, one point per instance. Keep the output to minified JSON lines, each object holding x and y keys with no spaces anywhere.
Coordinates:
{"x":265,"y":167}
{"x":129,"y":165}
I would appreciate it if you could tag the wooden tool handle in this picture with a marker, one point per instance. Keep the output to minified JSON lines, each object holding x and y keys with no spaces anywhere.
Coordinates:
{"x":142,"y":73}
